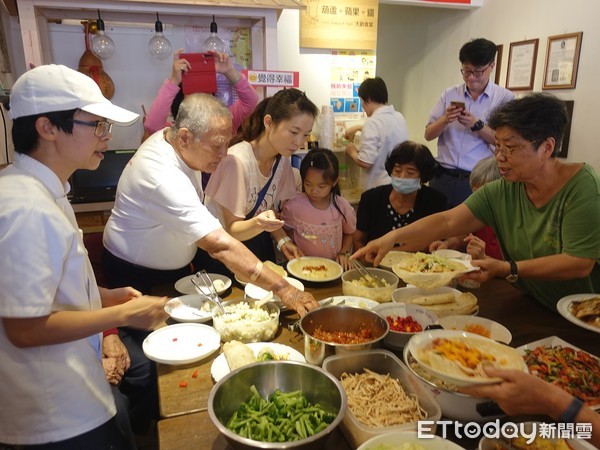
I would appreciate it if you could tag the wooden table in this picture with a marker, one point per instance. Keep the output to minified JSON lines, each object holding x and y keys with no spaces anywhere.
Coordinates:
{"x":187,"y":425}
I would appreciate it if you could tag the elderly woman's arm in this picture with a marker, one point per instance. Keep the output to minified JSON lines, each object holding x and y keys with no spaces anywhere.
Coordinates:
{"x":241,"y":261}
{"x":418,"y":235}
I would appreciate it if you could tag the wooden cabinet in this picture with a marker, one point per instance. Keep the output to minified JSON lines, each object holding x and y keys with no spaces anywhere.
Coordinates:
{"x":91,"y":217}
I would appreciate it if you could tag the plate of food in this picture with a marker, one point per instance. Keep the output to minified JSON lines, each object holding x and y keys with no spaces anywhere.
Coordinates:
{"x":348,"y":300}
{"x":258,"y":293}
{"x":477,"y":325}
{"x":565,"y":365}
{"x":459,"y":358}
{"x":236,"y":354}
{"x":314,"y":268}
{"x":582,"y":310}
{"x":443,"y":301}
{"x":183,"y":343}
{"x":220,"y":282}
{"x":430,"y":271}
{"x":190,"y":308}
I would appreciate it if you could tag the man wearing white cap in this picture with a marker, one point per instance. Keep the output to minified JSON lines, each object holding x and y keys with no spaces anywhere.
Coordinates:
{"x":54,"y":392}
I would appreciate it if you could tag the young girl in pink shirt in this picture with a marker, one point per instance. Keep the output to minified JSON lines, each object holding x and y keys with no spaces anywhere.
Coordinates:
{"x":320,"y":221}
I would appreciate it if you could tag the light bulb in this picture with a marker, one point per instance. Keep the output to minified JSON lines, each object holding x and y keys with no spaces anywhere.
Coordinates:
{"x":102,"y":46}
{"x":214,"y":42}
{"x":159,"y":46}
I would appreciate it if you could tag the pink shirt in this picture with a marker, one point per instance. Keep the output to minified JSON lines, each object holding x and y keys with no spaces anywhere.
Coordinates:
{"x":156,"y":119}
{"x":324,"y":228}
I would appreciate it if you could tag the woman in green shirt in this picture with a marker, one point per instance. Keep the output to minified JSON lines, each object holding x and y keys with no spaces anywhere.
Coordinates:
{"x":544,"y":211}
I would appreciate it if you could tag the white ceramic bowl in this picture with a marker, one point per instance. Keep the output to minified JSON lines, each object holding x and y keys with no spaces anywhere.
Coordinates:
{"x":477,"y":325}
{"x":394,"y":439}
{"x":397,"y":339}
{"x":454,"y":405}
{"x":379,"y":294}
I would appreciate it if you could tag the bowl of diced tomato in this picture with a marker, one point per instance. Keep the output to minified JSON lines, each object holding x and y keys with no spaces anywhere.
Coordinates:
{"x":404,"y":320}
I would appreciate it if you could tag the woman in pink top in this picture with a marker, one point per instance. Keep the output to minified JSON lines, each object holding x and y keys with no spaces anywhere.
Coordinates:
{"x":321,"y":222}
{"x":246,"y":191}
{"x":170,"y":95}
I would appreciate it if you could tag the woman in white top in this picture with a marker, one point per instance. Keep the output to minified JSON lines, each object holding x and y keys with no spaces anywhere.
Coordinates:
{"x":248,"y":187}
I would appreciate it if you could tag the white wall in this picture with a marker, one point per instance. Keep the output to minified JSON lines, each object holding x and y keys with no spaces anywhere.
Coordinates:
{"x":418,"y":48}
{"x":417,"y":55}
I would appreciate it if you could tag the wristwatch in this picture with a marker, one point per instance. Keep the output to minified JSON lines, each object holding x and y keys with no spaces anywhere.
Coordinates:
{"x":513,"y":276}
{"x":478,"y":125}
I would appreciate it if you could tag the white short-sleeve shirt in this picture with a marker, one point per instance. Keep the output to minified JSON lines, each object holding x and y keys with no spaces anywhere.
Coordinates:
{"x":384,"y":130}
{"x":158,"y":215}
{"x":50,"y":392}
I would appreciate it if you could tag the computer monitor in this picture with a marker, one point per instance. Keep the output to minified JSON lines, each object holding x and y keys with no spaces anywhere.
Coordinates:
{"x":100,"y":185}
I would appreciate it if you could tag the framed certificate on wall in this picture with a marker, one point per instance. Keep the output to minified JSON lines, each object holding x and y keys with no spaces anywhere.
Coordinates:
{"x":562,"y":61}
{"x":522,"y":58}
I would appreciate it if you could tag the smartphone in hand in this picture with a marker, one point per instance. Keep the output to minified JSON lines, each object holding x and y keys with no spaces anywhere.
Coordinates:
{"x":202,"y":76}
{"x":459,"y":105}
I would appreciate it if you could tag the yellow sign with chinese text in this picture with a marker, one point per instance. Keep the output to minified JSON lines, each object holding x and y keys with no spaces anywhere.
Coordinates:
{"x":337,"y":24}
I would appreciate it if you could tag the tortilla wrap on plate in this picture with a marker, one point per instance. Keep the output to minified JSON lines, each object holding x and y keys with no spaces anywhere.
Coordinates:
{"x":429,"y":271}
{"x":447,"y":304}
{"x":463,"y":359}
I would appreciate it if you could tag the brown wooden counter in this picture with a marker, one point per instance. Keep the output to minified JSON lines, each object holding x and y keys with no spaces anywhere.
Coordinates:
{"x":187,"y":425}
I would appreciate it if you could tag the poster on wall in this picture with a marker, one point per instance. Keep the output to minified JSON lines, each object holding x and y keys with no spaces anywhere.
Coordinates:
{"x":337,"y":24}
{"x":348,"y":70}
{"x":522,"y":58}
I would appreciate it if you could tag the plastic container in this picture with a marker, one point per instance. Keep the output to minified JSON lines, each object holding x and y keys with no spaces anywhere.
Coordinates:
{"x":379,"y":294}
{"x":383,"y":362}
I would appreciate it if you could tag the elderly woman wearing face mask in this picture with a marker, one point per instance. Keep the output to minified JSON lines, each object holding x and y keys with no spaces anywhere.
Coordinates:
{"x":405,"y":200}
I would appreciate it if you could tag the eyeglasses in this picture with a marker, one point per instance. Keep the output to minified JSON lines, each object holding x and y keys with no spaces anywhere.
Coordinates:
{"x":478,"y":73}
{"x":507,"y":150}
{"x":101,"y":127}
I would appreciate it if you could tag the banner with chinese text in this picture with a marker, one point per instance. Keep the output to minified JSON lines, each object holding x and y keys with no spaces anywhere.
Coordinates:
{"x":337,"y":24}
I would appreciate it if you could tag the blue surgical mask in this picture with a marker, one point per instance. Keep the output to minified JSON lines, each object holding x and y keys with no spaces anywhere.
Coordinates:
{"x":406,"y":185}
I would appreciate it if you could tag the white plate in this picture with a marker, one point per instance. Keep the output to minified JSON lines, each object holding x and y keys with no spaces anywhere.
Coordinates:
{"x":257,"y":293}
{"x":356,"y":302}
{"x":185,"y":286}
{"x":395,"y":439}
{"x":189,"y":308}
{"x":498,"y":332}
{"x":564,"y":308}
{"x":422,"y":341}
{"x":183,"y":343}
{"x":220,"y":368}
{"x":554,"y":341}
{"x":334,"y":270}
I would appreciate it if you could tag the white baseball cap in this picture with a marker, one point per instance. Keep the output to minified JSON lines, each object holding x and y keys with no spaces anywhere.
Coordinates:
{"x":53,"y":87}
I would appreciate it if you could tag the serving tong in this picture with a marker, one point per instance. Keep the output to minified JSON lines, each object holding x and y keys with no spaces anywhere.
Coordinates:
{"x":365,"y":274}
{"x":202,"y":280}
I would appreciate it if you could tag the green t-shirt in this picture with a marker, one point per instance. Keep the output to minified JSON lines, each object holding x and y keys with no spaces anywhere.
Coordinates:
{"x":569,"y":223}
